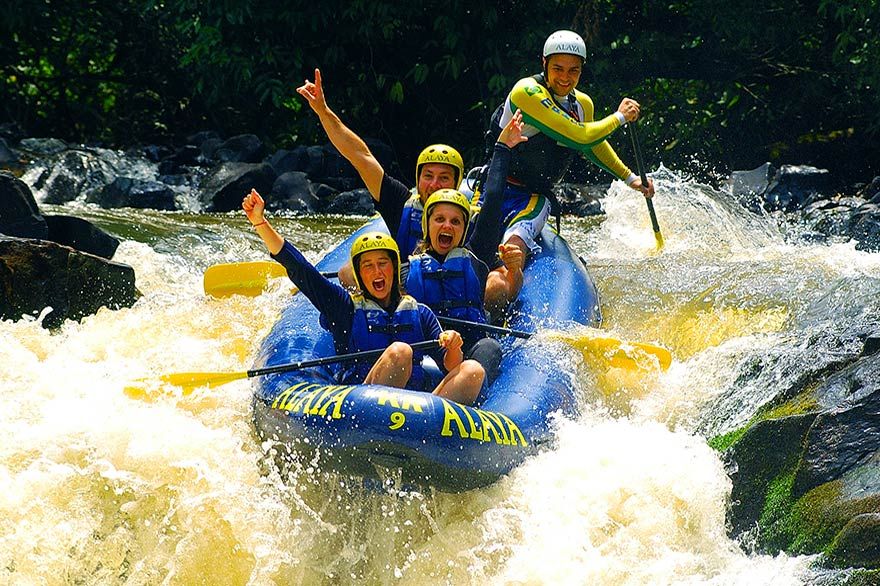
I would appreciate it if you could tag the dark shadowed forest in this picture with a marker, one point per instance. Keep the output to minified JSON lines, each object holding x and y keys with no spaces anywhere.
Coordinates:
{"x":723,"y":85}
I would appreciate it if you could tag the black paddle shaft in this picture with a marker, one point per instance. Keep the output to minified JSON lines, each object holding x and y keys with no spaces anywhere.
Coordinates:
{"x":451,"y":321}
{"x":426,"y":345}
{"x":640,"y":166}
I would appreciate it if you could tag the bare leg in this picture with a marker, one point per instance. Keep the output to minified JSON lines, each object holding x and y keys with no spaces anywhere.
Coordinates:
{"x":393,"y":368}
{"x":463,"y":383}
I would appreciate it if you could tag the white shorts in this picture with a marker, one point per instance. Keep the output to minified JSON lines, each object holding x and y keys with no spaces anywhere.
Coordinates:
{"x":525,"y":215}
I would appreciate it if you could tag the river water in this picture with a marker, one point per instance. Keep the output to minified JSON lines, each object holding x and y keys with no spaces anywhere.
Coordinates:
{"x":100,"y":488}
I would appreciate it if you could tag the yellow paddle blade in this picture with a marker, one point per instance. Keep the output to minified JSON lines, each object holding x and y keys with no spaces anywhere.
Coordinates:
{"x":241,"y":278}
{"x":658,"y":237}
{"x":187,"y":381}
{"x":620,"y":354}
{"x":193,"y":380}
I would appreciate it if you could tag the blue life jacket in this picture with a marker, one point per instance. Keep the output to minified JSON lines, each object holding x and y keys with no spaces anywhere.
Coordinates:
{"x":373,"y":327}
{"x":409,"y":233}
{"x":451,"y":288}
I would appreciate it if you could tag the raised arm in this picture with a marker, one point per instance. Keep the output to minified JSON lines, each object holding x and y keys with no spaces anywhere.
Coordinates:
{"x":330,"y":299}
{"x":488,"y":231}
{"x":254,"y":207}
{"x":349,"y":144}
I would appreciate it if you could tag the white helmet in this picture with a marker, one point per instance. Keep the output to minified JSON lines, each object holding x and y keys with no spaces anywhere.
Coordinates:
{"x":565,"y":42}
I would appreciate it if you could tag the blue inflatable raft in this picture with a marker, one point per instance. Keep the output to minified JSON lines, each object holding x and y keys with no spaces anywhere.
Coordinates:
{"x":366,"y":430}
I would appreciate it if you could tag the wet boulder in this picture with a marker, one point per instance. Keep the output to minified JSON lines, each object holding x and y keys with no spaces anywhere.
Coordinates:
{"x":200,"y":137}
{"x":315,"y":161}
{"x":871,"y":191}
{"x":805,"y":473}
{"x":7,"y":155}
{"x":866,"y":228}
{"x":153,"y":153}
{"x":19,"y":214}
{"x":36,"y":274}
{"x":794,"y":186}
{"x":293,"y":191}
{"x":356,"y":201}
{"x":286,"y":161}
{"x":337,"y":184}
{"x":67,"y":179}
{"x":209,"y":149}
{"x":580,"y":200}
{"x":226,"y":185}
{"x":244,"y":148}
{"x":127,"y":192}
{"x":787,"y":189}
{"x":80,"y":172}
{"x":81,"y":235}
{"x":335,"y":165}
{"x":42,"y":147}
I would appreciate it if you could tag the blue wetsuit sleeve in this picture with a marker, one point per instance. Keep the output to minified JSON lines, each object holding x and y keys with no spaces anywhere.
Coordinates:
{"x":432,"y":330}
{"x":331,"y":300}
{"x":488,"y":231}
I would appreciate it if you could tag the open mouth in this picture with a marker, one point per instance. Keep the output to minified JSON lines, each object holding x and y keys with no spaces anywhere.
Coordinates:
{"x":444,"y":239}
{"x":378,"y":285}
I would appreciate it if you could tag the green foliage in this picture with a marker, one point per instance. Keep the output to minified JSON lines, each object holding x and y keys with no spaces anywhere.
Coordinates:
{"x":790,"y":81}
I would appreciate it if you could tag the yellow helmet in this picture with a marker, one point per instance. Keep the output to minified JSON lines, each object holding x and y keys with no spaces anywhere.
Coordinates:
{"x":441,"y":153}
{"x":374,"y":241}
{"x":452,"y":196}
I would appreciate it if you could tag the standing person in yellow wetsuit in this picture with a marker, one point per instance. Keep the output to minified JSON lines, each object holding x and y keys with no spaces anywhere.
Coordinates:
{"x":559,"y":123}
{"x":439,"y":166}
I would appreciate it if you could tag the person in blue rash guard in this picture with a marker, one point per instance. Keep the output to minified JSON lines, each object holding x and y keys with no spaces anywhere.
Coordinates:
{"x":450,"y":276}
{"x":559,"y":122}
{"x":379,"y":316}
{"x":438,"y":166}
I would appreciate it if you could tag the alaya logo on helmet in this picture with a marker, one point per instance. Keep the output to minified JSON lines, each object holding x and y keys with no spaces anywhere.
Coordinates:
{"x":438,"y":157}
{"x":371,"y":244}
{"x":567,"y":48}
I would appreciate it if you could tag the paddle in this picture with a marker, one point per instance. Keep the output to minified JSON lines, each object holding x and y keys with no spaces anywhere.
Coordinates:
{"x":620,"y":354}
{"x":244,"y":278}
{"x":189,"y":381}
{"x":640,"y":166}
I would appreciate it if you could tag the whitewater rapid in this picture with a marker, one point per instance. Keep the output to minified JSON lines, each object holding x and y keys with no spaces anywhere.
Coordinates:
{"x":97,"y":487}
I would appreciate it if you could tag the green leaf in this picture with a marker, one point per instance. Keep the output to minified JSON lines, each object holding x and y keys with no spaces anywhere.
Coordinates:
{"x":395,"y":94}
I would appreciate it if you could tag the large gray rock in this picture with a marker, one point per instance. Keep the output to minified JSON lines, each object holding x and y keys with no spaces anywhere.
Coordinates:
{"x":7,"y":155}
{"x":287,"y":161}
{"x":293,"y":191}
{"x":795,"y":186}
{"x":227,"y":184}
{"x":35,"y":274}
{"x":808,"y":477}
{"x":357,"y":201}
{"x":244,"y":148}
{"x":19,"y":214}
{"x":134,"y":193}
{"x":81,"y":235}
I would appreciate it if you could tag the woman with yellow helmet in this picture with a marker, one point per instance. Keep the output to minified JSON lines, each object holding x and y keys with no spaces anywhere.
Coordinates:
{"x":379,"y":316}
{"x":451,"y":276}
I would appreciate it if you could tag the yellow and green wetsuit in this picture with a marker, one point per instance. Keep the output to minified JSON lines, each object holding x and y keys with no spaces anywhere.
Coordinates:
{"x":558,"y":128}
